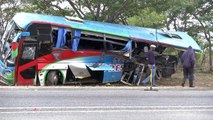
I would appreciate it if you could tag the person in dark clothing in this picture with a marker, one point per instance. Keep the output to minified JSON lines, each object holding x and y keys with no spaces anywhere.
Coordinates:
{"x":151,"y":65}
{"x":188,"y":62}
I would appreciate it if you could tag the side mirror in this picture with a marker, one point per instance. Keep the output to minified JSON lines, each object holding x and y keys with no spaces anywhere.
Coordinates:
{"x":19,"y":35}
{"x":14,"y":49}
{"x":25,"y":34}
{"x":11,"y":63}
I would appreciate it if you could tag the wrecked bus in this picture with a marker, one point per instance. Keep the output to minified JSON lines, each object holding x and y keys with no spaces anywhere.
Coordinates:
{"x":38,"y":49}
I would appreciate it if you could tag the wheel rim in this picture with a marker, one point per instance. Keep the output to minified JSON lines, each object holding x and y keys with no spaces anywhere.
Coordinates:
{"x":53,"y":78}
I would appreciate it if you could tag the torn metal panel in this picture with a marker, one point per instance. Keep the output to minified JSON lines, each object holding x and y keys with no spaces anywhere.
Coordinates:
{"x":100,"y":67}
{"x":79,"y":70}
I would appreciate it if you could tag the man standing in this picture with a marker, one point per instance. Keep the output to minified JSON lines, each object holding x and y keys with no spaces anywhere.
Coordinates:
{"x":188,"y":62}
{"x":151,"y":65}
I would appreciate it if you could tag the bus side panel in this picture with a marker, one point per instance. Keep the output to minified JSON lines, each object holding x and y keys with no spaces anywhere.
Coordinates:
{"x":86,"y":59}
{"x":25,"y":73}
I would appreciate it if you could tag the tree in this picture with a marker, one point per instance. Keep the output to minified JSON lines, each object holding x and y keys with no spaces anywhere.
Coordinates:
{"x":108,"y":10}
{"x":7,"y":10}
{"x":192,"y":16}
{"x":51,"y":7}
{"x":204,"y":15}
{"x":148,"y":17}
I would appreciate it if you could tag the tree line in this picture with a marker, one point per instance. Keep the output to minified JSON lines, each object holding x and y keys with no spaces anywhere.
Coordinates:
{"x":191,"y":16}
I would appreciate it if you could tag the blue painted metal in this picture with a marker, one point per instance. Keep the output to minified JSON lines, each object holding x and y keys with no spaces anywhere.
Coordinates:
{"x":76,"y":40}
{"x":61,"y":40}
{"x":110,"y":76}
{"x":25,"y":34}
{"x":132,"y":32}
{"x":21,"y":34}
{"x":99,"y":67}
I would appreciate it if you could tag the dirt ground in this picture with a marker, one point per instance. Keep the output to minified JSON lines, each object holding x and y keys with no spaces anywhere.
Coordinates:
{"x":202,"y":79}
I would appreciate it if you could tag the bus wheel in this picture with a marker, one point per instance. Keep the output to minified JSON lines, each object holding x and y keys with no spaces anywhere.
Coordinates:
{"x":53,"y":78}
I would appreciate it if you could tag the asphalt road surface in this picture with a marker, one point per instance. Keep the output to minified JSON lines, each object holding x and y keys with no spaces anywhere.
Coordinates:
{"x":104,"y":103}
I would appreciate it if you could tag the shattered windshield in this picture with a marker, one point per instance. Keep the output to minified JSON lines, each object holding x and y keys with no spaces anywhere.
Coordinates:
{"x":5,"y":44}
{"x":7,"y":32}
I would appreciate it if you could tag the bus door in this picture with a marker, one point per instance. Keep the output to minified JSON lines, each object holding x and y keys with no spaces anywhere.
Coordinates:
{"x":27,"y":63}
{"x":38,"y":44}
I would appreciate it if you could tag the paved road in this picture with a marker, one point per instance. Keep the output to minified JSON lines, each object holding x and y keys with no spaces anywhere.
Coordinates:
{"x":95,"y":103}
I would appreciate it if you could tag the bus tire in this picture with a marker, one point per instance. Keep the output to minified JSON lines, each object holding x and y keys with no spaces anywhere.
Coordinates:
{"x":53,"y":78}
{"x":37,"y":81}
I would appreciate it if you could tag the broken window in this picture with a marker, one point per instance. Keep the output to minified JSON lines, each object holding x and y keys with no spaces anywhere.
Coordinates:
{"x":5,"y":48}
{"x":114,"y":44}
{"x":29,"y":53}
{"x":103,"y":42}
{"x":61,"y":38}
{"x":91,"y":42}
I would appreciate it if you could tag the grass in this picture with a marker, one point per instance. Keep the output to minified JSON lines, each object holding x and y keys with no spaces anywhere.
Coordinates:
{"x":202,"y":79}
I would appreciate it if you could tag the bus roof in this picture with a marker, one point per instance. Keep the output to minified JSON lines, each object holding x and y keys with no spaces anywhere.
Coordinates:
{"x":141,"y":34}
